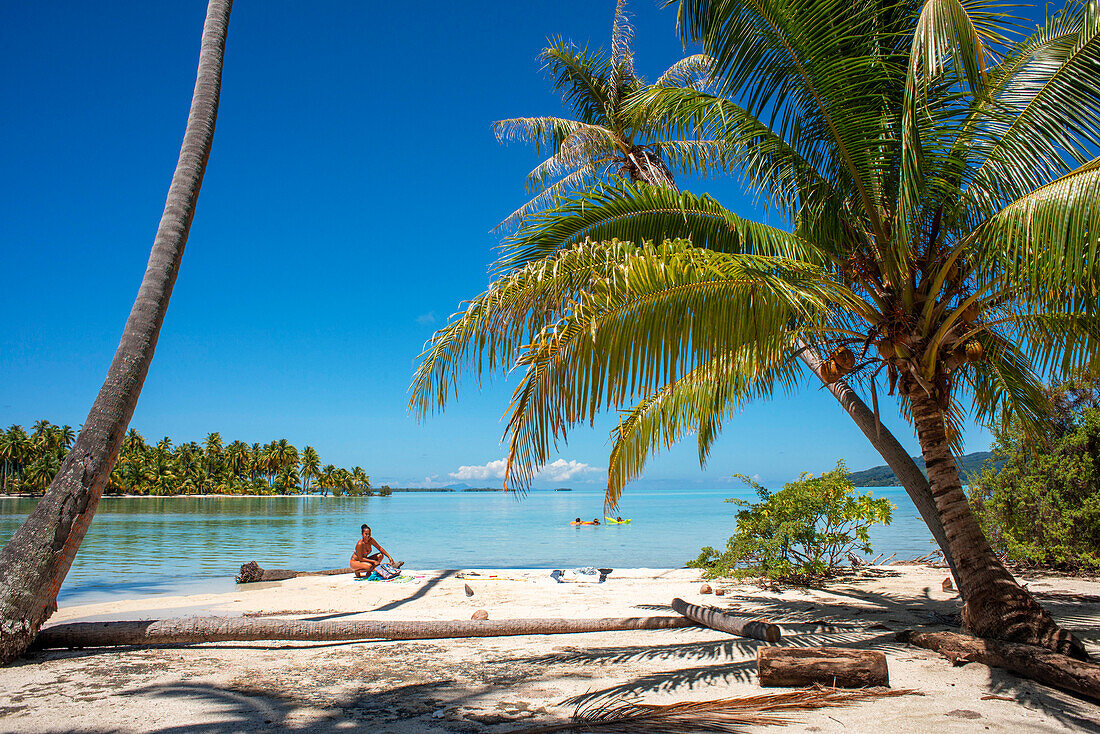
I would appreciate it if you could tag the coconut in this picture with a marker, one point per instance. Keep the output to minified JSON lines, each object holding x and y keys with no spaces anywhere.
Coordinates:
{"x":974,"y":350}
{"x":844,"y":359}
{"x":971,"y":313}
{"x":886,"y":349}
{"x":830,"y":372}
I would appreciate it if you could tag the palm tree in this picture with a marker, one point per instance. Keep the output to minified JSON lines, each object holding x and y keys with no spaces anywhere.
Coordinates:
{"x":605,"y":135}
{"x":944,"y":208}
{"x":35,"y":561}
{"x":311,"y":466}
{"x":596,"y":138}
{"x":360,"y":480}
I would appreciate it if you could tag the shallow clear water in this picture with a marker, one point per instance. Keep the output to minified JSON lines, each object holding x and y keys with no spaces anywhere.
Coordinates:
{"x":153,"y":545}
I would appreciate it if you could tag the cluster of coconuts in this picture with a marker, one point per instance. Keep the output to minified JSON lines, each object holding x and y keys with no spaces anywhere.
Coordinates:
{"x":839,"y":363}
{"x":960,"y":353}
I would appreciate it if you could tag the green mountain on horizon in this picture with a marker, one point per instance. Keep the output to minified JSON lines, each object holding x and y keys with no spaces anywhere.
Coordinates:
{"x":883,"y":476}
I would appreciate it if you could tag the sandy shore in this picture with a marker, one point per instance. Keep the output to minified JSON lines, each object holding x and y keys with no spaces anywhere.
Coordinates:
{"x":501,"y":684}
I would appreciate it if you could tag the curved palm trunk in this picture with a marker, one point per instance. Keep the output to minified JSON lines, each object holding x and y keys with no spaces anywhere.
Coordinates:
{"x":996,"y":606}
{"x":905,"y":469}
{"x":34,"y":563}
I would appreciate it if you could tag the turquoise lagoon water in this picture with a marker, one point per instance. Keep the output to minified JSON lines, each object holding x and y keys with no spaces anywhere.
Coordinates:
{"x":148,"y":546}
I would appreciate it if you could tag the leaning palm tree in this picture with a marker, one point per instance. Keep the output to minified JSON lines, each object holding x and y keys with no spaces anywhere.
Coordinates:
{"x":944,"y":235}
{"x":35,"y":561}
{"x":605,"y":135}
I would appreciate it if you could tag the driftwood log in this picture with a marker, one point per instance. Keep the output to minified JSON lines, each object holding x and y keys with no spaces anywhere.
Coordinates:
{"x":1036,"y":663}
{"x":756,"y":628}
{"x":193,"y":630}
{"x":251,"y":572}
{"x":837,"y":667}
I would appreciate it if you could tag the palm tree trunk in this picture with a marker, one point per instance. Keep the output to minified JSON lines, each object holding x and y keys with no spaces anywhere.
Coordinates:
{"x":897,"y":458}
{"x":194,"y":630}
{"x":36,"y":560}
{"x":996,"y":606}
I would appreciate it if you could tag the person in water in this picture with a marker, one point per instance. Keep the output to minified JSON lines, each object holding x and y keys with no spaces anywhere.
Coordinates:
{"x":363,"y":562}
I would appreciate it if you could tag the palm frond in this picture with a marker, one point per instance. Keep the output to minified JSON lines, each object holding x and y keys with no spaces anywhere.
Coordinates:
{"x":1049,"y":239}
{"x":699,"y":402}
{"x":722,"y":715}
{"x":581,"y":179}
{"x":638,"y":213}
{"x":693,"y":72}
{"x":583,"y":79}
{"x":1043,"y":118}
{"x":660,"y":312}
{"x":622,"y":49}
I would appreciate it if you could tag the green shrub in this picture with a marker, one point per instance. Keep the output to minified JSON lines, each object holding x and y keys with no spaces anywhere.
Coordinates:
{"x":801,"y":533}
{"x":1042,"y":508}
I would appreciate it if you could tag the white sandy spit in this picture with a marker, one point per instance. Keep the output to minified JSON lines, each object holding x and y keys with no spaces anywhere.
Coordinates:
{"x":506,"y":683}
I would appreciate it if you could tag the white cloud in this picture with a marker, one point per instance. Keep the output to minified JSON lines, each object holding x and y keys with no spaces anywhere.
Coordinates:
{"x":426,"y":318}
{"x":492,"y":470}
{"x":562,"y":470}
{"x":556,"y":471}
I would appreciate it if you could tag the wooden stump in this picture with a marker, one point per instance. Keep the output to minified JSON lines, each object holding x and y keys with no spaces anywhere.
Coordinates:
{"x":756,"y":628}
{"x":836,"y":667}
{"x":251,"y":572}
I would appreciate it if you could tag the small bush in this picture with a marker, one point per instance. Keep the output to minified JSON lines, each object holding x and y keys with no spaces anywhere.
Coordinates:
{"x":801,"y":533}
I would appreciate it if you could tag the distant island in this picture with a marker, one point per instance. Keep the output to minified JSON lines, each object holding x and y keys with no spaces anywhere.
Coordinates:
{"x":883,"y":476}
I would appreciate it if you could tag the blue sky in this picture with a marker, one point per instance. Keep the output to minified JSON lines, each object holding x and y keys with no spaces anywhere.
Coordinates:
{"x":346,"y":213}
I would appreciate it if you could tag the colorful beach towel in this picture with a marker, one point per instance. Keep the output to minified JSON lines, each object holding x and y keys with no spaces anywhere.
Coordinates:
{"x":402,"y":579}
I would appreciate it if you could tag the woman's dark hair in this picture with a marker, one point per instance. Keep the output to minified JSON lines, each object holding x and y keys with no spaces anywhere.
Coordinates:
{"x":365,"y":527}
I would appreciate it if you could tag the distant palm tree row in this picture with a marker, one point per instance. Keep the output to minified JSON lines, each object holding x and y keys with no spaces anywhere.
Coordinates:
{"x":31,"y":459}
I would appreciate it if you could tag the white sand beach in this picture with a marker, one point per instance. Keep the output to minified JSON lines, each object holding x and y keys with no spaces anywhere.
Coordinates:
{"x":507,"y":683}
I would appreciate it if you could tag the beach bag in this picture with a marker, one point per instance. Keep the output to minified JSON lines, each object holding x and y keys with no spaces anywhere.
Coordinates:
{"x":386,"y":572}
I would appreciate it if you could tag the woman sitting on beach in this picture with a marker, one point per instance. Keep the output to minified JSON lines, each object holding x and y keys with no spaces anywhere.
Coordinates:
{"x":363,"y":562}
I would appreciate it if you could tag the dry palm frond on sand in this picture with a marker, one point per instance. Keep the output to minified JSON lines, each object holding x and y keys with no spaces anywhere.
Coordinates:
{"x":722,"y":715}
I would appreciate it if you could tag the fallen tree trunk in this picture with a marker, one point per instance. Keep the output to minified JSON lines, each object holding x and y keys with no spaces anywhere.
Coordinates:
{"x":756,"y":628}
{"x":251,"y":572}
{"x":1032,"y":662}
{"x":837,"y":667}
{"x":193,"y":630}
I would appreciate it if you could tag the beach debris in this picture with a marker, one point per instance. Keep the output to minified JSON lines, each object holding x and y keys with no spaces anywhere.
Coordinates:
{"x":839,"y":667}
{"x":724,"y":714}
{"x":192,"y":630}
{"x":480,"y":614}
{"x":947,"y":585}
{"x":755,"y":628}
{"x":251,"y":572}
{"x":719,"y":591}
{"x":994,"y":697}
{"x":1029,"y":661}
{"x":705,"y":589}
{"x":469,"y":590}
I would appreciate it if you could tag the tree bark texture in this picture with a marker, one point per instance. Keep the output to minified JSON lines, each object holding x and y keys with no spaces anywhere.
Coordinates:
{"x":251,"y":572}
{"x":194,"y":630}
{"x":34,"y":563}
{"x":897,"y":458}
{"x":996,"y":606}
{"x":1036,"y":663}
{"x":836,"y":667}
{"x":758,"y":629}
